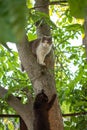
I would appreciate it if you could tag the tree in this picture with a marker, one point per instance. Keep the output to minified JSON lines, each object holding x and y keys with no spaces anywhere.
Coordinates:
{"x":14,"y":23}
{"x":38,"y":79}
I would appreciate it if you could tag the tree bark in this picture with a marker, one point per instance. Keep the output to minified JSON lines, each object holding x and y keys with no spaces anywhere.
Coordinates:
{"x":55,"y":116}
{"x":42,"y":28}
{"x":41,"y":78}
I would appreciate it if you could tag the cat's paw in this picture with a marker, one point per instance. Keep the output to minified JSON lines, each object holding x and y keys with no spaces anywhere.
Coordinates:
{"x":41,"y":62}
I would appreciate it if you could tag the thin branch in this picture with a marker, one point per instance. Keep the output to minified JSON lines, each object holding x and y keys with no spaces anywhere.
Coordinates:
{"x":64,"y":115}
{"x":75,"y":114}
{"x":9,"y":116}
{"x":63,"y":2}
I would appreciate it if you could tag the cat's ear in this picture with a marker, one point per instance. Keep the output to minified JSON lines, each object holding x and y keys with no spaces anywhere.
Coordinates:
{"x":48,"y":38}
{"x":43,"y":38}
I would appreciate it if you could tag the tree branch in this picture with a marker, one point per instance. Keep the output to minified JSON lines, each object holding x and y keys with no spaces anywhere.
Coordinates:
{"x":63,"y":3}
{"x":75,"y":114}
{"x":64,"y":115}
{"x":58,"y":2}
{"x":20,"y":108}
{"x":11,"y":100}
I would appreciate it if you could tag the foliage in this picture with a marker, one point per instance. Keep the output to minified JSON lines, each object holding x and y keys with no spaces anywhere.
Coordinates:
{"x":11,"y":77}
{"x":12,"y":20}
{"x":78,"y":8}
{"x":70,"y":71}
{"x":9,"y":123}
{"x":70,"y":60}
{"x":76,"y":123}
{"x":37,"y":18}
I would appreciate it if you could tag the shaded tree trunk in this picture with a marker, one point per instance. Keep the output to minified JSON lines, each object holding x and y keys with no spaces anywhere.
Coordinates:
{"x":22,"y":125}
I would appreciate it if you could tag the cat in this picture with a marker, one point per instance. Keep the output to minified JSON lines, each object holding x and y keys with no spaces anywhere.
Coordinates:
{"x":41,"y":48}
{"x":41,"y":108}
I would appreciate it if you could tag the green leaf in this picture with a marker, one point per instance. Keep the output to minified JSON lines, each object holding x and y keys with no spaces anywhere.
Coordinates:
{"x":78,"y":8}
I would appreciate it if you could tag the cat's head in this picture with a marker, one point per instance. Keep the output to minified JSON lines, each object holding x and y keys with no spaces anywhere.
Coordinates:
{"x":46,"y":40}
{"x":41,"y":99}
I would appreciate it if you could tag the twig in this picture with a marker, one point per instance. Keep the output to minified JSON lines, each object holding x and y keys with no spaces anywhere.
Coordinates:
{"x":9,"y":115}
{"x":75,"y":114}
{"x":64,"y":115}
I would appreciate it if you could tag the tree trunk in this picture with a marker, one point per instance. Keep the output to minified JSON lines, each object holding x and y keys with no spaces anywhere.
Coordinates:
{"x":41,"y":78}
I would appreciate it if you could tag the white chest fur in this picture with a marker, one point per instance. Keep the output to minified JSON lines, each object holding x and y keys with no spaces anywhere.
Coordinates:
{"x":42,"y":50}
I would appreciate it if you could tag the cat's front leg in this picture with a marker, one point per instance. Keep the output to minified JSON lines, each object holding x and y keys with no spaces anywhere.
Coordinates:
{"x":40,"y":60}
